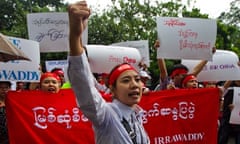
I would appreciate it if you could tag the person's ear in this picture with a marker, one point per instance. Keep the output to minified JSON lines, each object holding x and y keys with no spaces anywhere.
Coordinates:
{"x":112,"y":89}
{"x":59,"y":84}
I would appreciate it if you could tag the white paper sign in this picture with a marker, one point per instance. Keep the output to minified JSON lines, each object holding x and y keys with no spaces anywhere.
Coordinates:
{"x":223,"y":67}
{"x":55,"y":64}
{"x":235,"y":114}
{"x":51,"y":30}
{"x":188,"y":38}
{"x":21,"y":70}
{"x":103,"y":58}
{"x":141,"y":45}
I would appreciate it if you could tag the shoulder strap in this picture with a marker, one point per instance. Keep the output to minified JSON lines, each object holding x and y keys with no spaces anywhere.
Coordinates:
{"x":130,"y":132}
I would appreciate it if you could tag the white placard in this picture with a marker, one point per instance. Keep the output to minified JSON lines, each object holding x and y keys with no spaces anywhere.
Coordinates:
{"x":141,"y":45}
{"x":103,"y":58}
{"x":223,"y":67}
{"x":21,"y":70}
{"x":188,"y":38}
{"x":235,"y":114}
{"x":51,"y":30}
{"x":51,"y":64}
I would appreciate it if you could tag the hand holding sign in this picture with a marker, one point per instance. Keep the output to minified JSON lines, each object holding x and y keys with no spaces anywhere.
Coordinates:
{"x":189,"y":38}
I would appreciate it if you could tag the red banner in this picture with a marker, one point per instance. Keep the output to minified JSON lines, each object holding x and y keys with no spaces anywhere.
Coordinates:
{"x":182,"y":116}
{"x":35,"y":117}
{"x":175,"y":116}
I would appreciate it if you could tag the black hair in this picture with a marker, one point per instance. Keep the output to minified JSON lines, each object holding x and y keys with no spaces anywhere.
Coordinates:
{"x":85,"y":48}
{"x":178,"y":66}
{"x":6,"y":82}
{"x":182,"y":79}
{"x":56,"y":69}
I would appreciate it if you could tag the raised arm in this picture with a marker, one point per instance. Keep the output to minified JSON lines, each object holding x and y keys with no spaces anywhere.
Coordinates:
{"x":161,"y":64}
{"x":78,"y":18}
{"x":198,"y":68}
{"x":80,"y":75}
{"x":227,"y":84}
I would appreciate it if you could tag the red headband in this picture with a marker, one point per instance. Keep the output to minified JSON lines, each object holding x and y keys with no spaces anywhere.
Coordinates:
{"x":188,"y":78}
{"x":49,"y":74}
{"x":116,"y":72}
{"x":58,"y":72}
{"x":105,"y":74}
{"x":209,"y":82}
{"x":178,"y":71}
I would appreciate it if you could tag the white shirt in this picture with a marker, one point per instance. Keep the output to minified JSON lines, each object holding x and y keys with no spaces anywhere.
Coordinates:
{"x":105,"y":117}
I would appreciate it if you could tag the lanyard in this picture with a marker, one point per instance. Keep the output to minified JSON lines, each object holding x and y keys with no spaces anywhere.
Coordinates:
{"x":131,"y":133}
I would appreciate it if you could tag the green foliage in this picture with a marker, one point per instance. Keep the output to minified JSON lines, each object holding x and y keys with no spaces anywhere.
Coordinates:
{"x":13,"y":14}
{"x":128,"y":21}
{"x":229,"y":29}
{"x":13,"y":21}
{"x":52,"y":56}
{"x":10,"y":16}
{"x":124,"y":20}
{"x":195,"y":13}
{"x":233,"y":16}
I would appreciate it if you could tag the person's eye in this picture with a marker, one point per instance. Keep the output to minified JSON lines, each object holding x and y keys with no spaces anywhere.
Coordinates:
{"x":125,"y":80}
{"x":54,"y":82}
{"x":46,"y":82}
{"x":138,"y":79}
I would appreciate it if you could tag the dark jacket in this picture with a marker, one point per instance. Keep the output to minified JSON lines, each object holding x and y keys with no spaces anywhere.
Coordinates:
{"x":3,"y":126}
{"x":226,"y":128}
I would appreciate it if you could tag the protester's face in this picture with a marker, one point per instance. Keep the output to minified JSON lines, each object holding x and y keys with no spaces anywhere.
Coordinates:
{"x":128,"y":88}
{"x":211,"y":84}
{"x":177,"y":79}
{"x":4,"y":88}
{"x":193,"y":83}
{"x":62,"y":78}
{"x":20,"y":85}
{"x":100,"y":79}
{"x":50,"y":84}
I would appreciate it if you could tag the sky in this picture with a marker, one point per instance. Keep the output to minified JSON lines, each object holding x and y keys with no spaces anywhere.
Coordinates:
{"x":211,"y":7}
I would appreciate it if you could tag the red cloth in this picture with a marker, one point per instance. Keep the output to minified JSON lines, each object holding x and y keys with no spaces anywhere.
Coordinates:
{"x":29,"y":116}
{"x":183,"y":116}
{"x":171,"y":116}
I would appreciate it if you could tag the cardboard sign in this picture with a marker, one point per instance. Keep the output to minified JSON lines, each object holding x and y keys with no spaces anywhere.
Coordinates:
{"x":224,"y":66}
{"x":141,"y":45}
{"x":55,"y":64}
{"x":103,"y":58}
{"x":235,"y":114}
{"x":51,"y":30}
{"x":17,"y":70}
{"x":188,"y":38}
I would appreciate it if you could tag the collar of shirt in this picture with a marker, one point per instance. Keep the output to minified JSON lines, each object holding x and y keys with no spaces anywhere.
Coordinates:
{"x":126,"y":111}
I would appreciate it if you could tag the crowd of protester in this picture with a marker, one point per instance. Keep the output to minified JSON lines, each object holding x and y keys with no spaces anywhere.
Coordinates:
{"x":178,"y":78}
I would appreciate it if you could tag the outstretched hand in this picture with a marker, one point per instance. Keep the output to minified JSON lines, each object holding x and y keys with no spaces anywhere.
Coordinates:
{"x":78,"y":17}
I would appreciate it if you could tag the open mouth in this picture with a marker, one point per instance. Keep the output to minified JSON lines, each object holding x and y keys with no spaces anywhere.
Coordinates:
{"x":51,"y":89}
{"x":132,"y":94}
